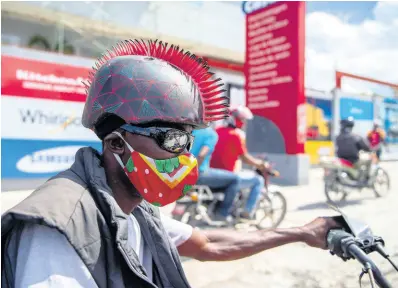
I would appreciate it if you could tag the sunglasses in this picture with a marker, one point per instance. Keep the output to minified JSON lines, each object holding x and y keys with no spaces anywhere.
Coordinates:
{"x":170,"y":139}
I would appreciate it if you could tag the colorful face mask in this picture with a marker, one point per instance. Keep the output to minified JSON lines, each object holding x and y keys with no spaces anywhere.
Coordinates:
{"x":160,"y":182}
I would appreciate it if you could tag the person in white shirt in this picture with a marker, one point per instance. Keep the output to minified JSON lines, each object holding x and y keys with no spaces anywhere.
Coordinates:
{"x":46,"y":259}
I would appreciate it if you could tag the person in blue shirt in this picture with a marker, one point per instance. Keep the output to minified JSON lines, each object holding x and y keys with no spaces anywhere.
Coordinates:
{"x":203,"y":147}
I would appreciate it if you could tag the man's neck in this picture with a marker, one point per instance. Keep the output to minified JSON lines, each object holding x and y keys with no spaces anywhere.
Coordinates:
{"x":125,"y":197}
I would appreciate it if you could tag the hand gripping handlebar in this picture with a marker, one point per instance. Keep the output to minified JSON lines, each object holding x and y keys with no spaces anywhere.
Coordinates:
{"x":347,"y":247}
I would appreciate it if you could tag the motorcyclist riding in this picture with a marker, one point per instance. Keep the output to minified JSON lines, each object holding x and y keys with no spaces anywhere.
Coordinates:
{"x":230,"y":148}
{"x":203,"y":147}
{"x":348,"y":145}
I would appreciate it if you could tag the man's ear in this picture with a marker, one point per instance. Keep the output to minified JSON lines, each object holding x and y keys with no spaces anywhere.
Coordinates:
{"x":114,"y":144}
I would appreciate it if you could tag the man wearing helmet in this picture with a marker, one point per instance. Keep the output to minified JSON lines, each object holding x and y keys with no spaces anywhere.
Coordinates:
{"x":376,"y":137}
{"x":349,"y":144}
{"x":230,"y":148}
{"x":97,"y":224}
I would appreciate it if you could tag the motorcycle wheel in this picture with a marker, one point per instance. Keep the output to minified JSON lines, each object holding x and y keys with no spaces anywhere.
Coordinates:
{"x":272,"y":207}
{"x":334,"y":196}
{"x":381,"y":183}
{"x":332,"y":192}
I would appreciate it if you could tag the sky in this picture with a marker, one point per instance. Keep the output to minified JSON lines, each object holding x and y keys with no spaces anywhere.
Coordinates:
{"x":354,"y":37}
{"x":353,"y":11}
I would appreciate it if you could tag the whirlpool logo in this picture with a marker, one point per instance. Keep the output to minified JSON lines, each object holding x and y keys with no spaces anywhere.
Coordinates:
{"x":48,"y":160}
{"x":40,"y":117}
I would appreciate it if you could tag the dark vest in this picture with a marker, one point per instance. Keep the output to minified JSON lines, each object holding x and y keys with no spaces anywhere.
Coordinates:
{"x":79,"y":204}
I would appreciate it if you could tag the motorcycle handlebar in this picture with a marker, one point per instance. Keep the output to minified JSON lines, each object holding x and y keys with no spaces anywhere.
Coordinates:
{"x":365,"y":260}
{"x":269,"y":172}
{"x":343,"y":244}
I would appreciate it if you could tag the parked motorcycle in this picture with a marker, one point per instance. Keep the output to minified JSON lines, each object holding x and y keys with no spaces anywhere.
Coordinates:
{"x":199,"y":205}
{"x":355,"y":241}
{"x":341,"y":177}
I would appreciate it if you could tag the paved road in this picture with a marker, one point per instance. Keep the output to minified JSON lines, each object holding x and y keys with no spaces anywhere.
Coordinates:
{"x":296,"y":265}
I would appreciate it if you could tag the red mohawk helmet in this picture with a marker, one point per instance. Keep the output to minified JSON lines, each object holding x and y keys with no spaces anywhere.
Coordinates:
{"x":146,"y":81}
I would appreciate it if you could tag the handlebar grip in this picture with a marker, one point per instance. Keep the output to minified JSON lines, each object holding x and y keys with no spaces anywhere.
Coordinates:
{"x":334,"y":238}
{"x":364,"y":259}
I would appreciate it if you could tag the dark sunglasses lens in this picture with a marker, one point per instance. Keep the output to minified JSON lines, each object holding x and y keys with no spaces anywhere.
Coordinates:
{"x":189,"y":146}
{"x":190,"y":143}
{"x":175,"y":141}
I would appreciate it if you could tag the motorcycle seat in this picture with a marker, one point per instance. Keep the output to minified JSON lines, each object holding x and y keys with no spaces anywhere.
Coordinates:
{"x":346,"y":163}
{"x":197,"y":188}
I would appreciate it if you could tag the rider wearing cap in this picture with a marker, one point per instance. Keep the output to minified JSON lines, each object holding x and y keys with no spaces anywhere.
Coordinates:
{"x":97,"y":224}
{"x":230,"y":148}
{"x":376,"y":137}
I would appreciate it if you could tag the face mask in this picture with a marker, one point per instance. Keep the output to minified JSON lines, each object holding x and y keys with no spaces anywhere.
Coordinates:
{"x":160,"y":182}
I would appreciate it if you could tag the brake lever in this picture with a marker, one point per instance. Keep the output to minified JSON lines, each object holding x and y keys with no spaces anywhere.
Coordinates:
{"x":367,"y":270}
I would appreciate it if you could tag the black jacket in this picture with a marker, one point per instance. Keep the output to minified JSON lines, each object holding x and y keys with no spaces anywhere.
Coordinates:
{"x":79,"y":204}
{"x":348,"y":146}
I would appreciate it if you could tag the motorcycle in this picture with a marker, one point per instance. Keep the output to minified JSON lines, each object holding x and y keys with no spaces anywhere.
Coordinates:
{"x":355,"y":241}
{"x":199,"y":205}
{"x":341,"y":177}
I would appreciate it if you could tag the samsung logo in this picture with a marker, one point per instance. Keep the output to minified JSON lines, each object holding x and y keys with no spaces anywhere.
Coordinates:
{"x":48,"y":160}
{"x":251,"y":6}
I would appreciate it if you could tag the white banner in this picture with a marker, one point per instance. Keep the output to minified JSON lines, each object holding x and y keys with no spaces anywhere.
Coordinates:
{"x":41,"y":119}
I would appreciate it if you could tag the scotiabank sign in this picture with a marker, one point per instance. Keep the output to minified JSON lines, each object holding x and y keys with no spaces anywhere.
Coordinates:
{"x":39,"y":79}
{"x":274,"y":70}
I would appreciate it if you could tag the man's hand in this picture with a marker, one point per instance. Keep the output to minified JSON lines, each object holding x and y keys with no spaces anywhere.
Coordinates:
{"x":265,"y":166}
{"x":316,"y":231}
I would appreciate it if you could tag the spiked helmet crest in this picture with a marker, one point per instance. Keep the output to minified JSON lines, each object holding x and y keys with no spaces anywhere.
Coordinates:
{"x":146,"y":81}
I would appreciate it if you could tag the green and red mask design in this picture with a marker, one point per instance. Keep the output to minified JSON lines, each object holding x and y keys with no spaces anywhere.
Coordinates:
{"x":160,"y":182}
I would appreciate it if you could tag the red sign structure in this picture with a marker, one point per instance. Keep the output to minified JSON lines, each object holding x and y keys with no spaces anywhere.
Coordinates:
{"x":39,"y":79}
{"x":274,"y":69}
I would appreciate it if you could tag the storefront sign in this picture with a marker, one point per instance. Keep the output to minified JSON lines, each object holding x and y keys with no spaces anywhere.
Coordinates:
{"x":29,"y":118}
{"x":251,"y":6}
{"x":359,"y":109}
{"x":40,"y":79}
{"x":37,"y":158}
{"x":274,"y":69}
